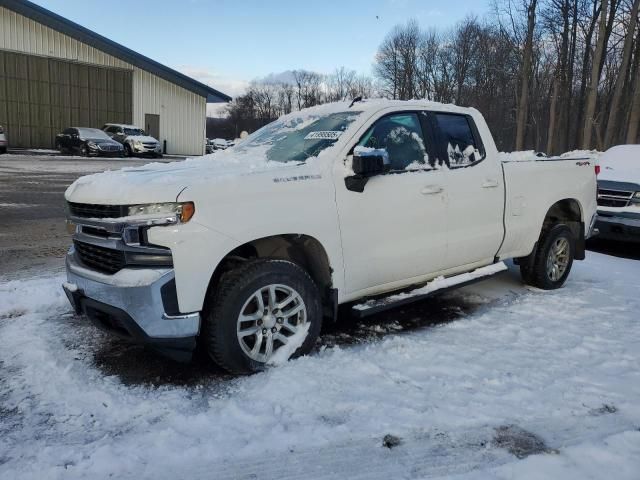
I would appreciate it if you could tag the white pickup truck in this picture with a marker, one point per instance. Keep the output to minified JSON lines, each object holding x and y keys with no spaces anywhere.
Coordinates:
{"x":247,"y":251}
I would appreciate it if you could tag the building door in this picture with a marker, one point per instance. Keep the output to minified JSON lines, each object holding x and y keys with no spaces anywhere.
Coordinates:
{"x":152,"y":125}
{"x":40,"y":97}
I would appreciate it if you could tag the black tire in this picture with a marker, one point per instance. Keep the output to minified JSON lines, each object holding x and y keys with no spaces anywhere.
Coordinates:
{"x":127,"y":150}
{"x":533,"y":269}
{"x":219,"y":325}
{"x":3,"y":150}
{"x":84,"y":150}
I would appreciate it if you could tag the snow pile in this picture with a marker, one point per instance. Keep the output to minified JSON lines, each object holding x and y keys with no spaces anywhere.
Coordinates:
{"x":621,"y":163}
{"x":295,"y":341}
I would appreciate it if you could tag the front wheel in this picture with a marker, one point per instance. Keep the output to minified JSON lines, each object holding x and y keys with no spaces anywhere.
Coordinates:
{"x":549,"y":264}
{"x":265,"y":311}
{"x":84,"y":151}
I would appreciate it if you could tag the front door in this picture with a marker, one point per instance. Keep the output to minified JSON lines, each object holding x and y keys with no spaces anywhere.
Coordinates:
{"x":396,"y":228}
{"x":152,"y":125}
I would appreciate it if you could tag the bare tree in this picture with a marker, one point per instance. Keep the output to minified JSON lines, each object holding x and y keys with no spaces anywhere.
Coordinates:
{"x":592,"y":89}
{"x":525,"y":75}
{"x":614,"y":108}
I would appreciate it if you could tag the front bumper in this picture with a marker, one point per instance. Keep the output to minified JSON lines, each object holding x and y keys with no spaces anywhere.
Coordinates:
{"x":144,"y":150}
{"x":618,"y":226}
{"x":131,"y":305}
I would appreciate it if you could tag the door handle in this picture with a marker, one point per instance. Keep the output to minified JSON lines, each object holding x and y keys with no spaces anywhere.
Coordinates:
{"x":431,"y":190}
{"x":490,"y":184}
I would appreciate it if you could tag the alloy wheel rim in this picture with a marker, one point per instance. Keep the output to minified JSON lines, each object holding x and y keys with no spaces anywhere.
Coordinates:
{"x":268,"y":319}
{"x":558,"y":259}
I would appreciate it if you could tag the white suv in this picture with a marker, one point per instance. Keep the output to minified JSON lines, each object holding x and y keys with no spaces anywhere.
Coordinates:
{"x":134,"y":139}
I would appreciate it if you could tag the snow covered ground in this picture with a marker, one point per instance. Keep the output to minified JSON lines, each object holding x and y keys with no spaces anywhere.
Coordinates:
{"x":531,"y":385}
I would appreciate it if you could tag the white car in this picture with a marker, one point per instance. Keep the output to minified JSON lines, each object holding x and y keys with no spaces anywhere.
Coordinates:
{"x":134,"y":139}
{"x":250,"y":254}
{"x":4,"y":144}
{"x":619,"y":194}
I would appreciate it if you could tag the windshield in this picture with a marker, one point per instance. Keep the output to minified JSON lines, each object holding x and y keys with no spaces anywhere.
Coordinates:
{"x":93,"y":133}
{"x":134,"y":131}
{"x":295,"y":139}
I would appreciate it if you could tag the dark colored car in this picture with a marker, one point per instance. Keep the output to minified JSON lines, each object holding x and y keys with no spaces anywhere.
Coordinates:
{"x":88,"y":142}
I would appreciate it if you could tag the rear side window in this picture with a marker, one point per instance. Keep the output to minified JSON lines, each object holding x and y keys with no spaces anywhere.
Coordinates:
{"x":458,"y":141}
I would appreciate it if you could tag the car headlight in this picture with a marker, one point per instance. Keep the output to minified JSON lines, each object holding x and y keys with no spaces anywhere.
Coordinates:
{"x":637,"y":196}
{"x":137,"y":144}
{"x":169,"y":212}
{"x":92,"y":145}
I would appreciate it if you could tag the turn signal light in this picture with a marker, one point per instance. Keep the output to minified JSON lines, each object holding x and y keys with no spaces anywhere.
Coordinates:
{"x":597,"y":170}
{"x":188,"y":209}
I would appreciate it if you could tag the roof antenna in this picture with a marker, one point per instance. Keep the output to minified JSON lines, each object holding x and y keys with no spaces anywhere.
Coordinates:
{"x":357,"y":99}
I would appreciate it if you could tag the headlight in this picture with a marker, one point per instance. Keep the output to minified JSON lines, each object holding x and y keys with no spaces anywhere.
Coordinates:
{"x":137,"y":143}
{"x":172,"y":212}
{"x":92,"y":145}
{"x":637,"y":195}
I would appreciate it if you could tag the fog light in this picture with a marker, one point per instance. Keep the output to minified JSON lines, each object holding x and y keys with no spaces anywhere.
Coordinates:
{"x":71,"y":227}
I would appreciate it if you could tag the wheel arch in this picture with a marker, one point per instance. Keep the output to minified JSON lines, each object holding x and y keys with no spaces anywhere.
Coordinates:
{"x":569,"y":211}
{"x":304,"y":250}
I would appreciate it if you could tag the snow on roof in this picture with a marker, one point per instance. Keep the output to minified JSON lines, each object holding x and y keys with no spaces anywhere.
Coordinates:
{"x":376,"y":104}
{"x":123,"y":125}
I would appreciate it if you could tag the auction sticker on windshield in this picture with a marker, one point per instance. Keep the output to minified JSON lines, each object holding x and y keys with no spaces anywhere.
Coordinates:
{"x":323,"y":135}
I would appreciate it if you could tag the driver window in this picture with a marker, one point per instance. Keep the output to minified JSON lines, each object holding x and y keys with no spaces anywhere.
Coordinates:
{"x":401,"y":136}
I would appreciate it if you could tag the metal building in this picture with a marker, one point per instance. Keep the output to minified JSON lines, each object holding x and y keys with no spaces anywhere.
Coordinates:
{"x":55,"y":74}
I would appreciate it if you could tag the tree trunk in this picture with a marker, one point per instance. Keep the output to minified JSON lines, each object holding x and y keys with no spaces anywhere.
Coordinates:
{"x":552,"y":116}
{"x":585,"y":68}
{"x":521,"y":125}
{"x":614,"y":108}
{"x":634,"y":115}
{"x":594,"y":81}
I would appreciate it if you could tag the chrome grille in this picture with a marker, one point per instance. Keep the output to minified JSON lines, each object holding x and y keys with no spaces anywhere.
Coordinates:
{"x":614,"y":198}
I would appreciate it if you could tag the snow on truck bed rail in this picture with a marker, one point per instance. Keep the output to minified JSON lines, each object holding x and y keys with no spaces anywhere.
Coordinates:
{"x":533,"y":156}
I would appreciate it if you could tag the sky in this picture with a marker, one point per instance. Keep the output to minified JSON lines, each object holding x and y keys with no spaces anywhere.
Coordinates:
{"x":228,"y":43}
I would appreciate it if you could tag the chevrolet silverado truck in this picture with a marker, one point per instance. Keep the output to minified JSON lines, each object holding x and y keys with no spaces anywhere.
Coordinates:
{"x":246,"y":252}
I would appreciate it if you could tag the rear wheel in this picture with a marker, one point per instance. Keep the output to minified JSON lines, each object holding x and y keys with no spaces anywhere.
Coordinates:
{"x":259,"y":314}
{"x":549,"y":264}
{"x":3,"y":150}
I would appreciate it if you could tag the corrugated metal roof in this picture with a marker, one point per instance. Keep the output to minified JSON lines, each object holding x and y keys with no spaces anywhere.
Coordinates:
{"x":82,"y":34}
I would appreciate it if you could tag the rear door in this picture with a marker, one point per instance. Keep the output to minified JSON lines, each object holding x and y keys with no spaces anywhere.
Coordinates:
{"x":475,"y":191}
{"x":395,"y":229}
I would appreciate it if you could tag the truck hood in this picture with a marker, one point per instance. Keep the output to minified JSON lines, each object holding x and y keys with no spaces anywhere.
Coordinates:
{"x":142,"y":138}
{"x":163,"y":182}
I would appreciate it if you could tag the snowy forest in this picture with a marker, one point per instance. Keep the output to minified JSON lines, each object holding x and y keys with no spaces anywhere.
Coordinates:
{"x":549,"y":75}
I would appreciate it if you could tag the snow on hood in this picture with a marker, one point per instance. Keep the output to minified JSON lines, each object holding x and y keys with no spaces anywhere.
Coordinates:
{"x":142,"y":138}
{"x":621,"y":164}
{"x":162,"y":182}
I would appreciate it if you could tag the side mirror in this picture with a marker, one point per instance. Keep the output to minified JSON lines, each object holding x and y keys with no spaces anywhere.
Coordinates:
{"x":366,"y":163}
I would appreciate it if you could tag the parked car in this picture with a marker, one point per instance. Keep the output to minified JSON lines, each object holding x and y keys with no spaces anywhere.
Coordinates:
{"x":134,"y":139}
{"x":88,"y":142}
{"x":221,"y":144}
{"x":4,"y":144}
{"x":619,"y":194}
{"x":331,"y":205}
